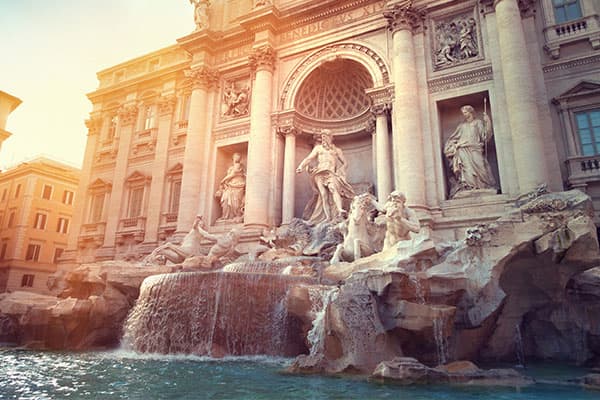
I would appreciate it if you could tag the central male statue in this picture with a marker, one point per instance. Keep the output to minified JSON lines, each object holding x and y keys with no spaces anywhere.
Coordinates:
{"x":326,"y":166}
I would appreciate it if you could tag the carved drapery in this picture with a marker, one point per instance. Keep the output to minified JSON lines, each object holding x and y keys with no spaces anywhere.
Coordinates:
{"x":404,"y":17}
{"x":202,"y":77}
{"x":262,"y":58}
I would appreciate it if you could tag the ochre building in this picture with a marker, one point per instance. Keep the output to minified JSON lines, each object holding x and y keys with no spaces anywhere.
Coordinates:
{"x":37,"y":200}
{"x":387,"y":79}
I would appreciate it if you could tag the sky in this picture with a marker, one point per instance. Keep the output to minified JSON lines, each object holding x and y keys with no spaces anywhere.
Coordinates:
{"x":50,"y":52}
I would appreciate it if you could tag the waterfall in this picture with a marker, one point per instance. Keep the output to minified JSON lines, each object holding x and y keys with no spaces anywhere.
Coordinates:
{"x":519,"y":346}
{"x":320,"y":300}
{"x":214,"y":313}
{"x":441,"y":343}
{"x":414,"y":279}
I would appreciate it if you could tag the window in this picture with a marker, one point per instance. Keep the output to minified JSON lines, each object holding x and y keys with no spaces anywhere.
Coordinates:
{"x":33,"y":252}
{"x":185,"y":108}
{"x":149,"y":117}
{"x":3,"y":250}
{"x":27,"y":280}
{"x":174,"y":197}
{"x":68,"y":197}
{"x":40,"y":221}
{"x":136,"y":196}
{"x":4,"y":192}
{"x":11,"y":219}
{"x":96,"y":207}
{"x":588,"y":128}
{"x":63,"y":225}
{"x":18,"y":190}
{"x":57,"y":254}
{"x":47,"y":192}
{"x":566,"y":10}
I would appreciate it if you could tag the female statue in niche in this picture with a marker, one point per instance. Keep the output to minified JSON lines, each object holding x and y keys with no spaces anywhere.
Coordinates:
{"x":232,"y":190}
{"x":466,"y":150}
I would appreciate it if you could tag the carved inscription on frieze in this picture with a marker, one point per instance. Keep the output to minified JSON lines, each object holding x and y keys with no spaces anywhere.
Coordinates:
{"x":332,"y":22}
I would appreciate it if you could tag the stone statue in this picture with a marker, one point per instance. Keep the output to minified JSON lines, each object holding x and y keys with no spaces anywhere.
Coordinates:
{"x":232,"y":190}
{"x":358,"y":237}
{"x":326,"y":166}
{"x":201,"y":13}
{"x":224,"y":244}
{"x":399,"y":220}
{"x":466,"y":150}
{"x":190,"y":246}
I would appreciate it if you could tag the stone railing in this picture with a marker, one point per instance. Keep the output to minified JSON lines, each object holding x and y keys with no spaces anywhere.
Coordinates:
{"x":587,"y":27}
{"x":583,"y":169}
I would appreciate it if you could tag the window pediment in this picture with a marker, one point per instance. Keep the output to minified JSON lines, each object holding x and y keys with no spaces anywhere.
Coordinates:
{"x":137,"y":178}
{"x":100,"y":185}
{"x":583,"y":88}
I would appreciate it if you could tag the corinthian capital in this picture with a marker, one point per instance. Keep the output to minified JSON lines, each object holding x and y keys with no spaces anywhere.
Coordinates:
{"x":262,"y":58}
{"x":380,"y":109}
{"x":128,"y":114}
{"x":93,"y":124}
{"x":403,"y":16}
{"x":527,"y":7}
{"x":166,"y":104}
{"x":202,"y":77}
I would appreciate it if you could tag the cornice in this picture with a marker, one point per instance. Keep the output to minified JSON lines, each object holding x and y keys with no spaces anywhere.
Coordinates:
{"x":266,"y":17}
{"x":460,"y":79}
{"x":568,"y":64}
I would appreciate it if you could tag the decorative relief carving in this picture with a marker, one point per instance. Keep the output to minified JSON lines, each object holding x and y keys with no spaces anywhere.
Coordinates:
{"x":230,"y":134}
{"x":332,"y":50}
{"x":166,"y":104}
{"x":262,"y":58}
{"x":527,"y":7}
{"x":287,"y":130}
{"x":236,"y":99}
{"x":380,"y":109}
{"x":459,"y":80}
{"x":455,"y":41}
{"x":128,"y":114}
{"x":202,"y":77}
{"x":404,"y":16}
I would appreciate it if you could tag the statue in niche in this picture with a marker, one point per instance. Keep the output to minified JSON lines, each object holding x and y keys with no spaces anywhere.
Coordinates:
{"x":400,"y":220}
{"x":236,"y":101}
{"x":201,"y":13}
{"x":456,"y":41}
{"x":232,"y":189}
{"x":190,"y":246}
{"x":466,"y":151}
{"x":326,"y":166}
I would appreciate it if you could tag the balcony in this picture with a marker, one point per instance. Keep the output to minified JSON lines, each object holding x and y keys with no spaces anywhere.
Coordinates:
{"x":583,"y":169}
{"x":131,"y":227}
{"x":587,"y":27}
{"x":92,"y":232}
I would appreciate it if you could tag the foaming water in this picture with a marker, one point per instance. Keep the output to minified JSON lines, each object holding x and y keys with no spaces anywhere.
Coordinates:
{"x":127,"y":375}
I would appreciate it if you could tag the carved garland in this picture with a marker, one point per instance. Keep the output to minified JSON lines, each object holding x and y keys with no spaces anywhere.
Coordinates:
{"x":332,"y":50}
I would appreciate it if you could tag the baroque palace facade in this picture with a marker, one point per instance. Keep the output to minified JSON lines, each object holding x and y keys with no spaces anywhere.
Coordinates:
{"x":387,"y":79}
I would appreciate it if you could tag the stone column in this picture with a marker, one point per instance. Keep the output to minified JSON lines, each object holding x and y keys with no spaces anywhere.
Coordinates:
{"x":260,"y":146}
{"x":80,"y":200}
{"x":518,"y":80}
{"x":407,"y":132}
{"x":289,"y":174}
{"x":382,"y":146}
{"x":166,"y":106}
{"x":127,"y":120}
{"x":196,"y":141}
